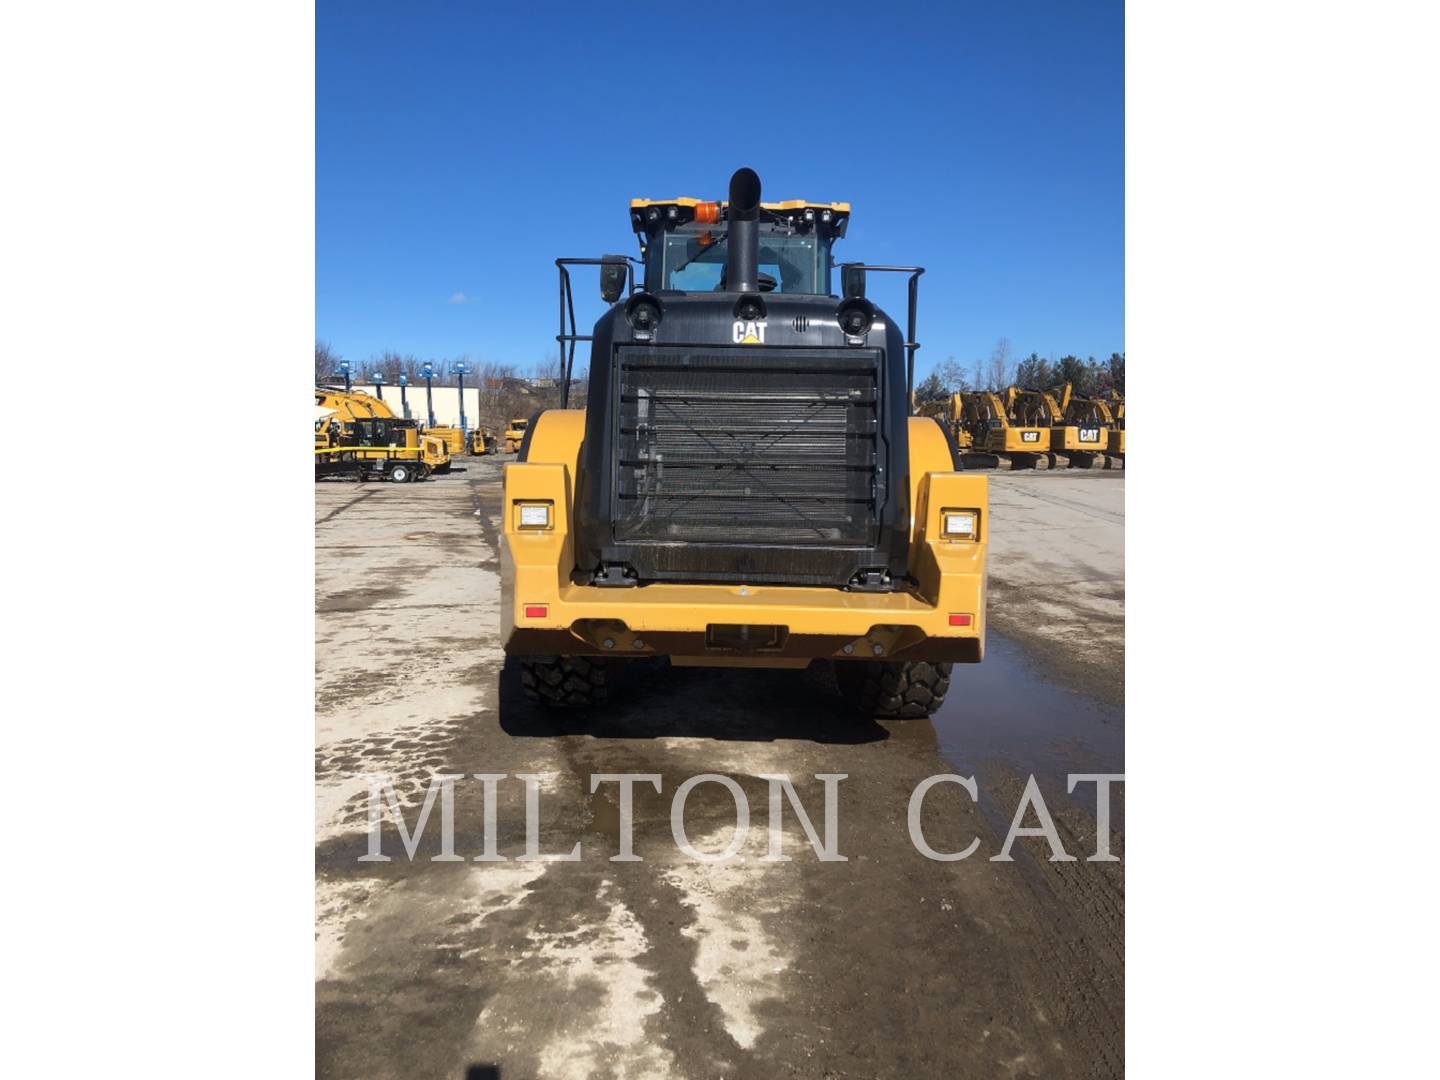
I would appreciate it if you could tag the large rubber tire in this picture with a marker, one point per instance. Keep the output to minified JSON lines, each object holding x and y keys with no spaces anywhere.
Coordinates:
{"x":400,"y":473}
{"x":891,"y":689}
{"x":575,"y":682}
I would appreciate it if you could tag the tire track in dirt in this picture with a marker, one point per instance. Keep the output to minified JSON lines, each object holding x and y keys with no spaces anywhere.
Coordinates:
{"x":1079,"y":911}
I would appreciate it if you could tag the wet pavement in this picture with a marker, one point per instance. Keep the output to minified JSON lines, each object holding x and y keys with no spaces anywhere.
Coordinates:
{"x":1009,"y":714}
{"x":885,"y":964}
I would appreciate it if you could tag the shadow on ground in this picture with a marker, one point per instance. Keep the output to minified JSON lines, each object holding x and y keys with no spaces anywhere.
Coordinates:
{"x":657,"y":700}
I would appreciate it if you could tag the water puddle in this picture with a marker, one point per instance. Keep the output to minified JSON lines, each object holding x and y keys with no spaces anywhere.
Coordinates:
{"x":1004,"y":710}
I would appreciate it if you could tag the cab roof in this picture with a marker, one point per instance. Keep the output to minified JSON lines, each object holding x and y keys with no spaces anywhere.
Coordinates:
{"x":649,"y":215}
{"x":790,"y":204}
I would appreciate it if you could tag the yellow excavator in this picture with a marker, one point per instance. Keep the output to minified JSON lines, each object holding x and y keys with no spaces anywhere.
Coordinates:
{"x":948,"y":411}
{"x":990,"y":418}
{"x":1087,"y":413}
{"x":336,"y":409}
{"x":358,"y":436}
{"x":1116,"y":446}
{"x":1077,"y":443}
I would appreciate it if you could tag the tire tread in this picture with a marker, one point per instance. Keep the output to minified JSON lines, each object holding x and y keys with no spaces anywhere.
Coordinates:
{"x":566,"y":681}
{"x":893,"y":689}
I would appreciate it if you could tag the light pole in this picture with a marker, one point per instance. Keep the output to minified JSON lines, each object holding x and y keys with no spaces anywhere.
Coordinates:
{"x":429,"y":373}
{"x":460,"y":370}
{"x":379,"y":381}
{"x":345,"y":370}
{"x":404,"y":381}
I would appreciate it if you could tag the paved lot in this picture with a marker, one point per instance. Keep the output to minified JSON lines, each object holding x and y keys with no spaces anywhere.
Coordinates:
{"x":886,"y":965}
{"x":1057,"y":572}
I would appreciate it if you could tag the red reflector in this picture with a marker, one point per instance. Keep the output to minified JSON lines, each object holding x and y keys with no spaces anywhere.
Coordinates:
{"x":539,"y":611}
{"x":960,"y":620}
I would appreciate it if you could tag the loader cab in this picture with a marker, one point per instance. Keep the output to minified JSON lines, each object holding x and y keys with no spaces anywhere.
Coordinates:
{"x":383,"y":431}
{"x":685,"y":245}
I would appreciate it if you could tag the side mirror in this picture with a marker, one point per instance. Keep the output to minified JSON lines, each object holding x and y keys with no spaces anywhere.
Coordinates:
{"x":613,"y":277}
{"x":852,"y":282}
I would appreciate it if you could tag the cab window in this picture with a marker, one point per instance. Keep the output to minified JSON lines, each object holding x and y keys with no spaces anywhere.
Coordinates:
{"x":695,"y":262}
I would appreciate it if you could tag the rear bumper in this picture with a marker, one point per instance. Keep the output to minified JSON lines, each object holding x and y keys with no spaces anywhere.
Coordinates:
{"x":544,"y":612}
{"x":784,"y":622}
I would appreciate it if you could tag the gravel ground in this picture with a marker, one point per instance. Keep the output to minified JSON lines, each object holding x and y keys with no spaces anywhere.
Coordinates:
{"x":887,"y":964}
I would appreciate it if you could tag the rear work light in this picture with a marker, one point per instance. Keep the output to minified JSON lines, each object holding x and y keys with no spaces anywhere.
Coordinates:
{"x":539,"y":611}
{"x":959,"y":524}
{"x":532,"y":515}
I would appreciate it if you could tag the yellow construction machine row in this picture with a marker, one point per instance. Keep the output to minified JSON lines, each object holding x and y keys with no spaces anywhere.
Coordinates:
{"x":358,"y":437}
{"x":1021,"y":428}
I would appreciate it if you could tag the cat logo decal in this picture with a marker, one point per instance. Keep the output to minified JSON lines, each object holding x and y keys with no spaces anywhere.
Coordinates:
{"x":748,"y":332}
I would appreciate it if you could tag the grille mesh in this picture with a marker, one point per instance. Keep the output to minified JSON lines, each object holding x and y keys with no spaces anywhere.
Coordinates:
{"x":746,"y":445}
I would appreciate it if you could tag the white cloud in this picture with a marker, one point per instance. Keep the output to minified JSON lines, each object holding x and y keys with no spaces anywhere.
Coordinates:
{"x":457,"y":298}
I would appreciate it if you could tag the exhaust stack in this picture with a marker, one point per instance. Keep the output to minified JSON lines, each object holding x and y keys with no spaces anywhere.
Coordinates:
{"x":742,"y":260}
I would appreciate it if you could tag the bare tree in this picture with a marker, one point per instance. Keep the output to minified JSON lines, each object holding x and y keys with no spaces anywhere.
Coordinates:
{"x":1000,"y":372}
{"x":491,"y":382}
{"x":952,"y":375}
{"x":391,"y":365}
{"x":327,"y":362}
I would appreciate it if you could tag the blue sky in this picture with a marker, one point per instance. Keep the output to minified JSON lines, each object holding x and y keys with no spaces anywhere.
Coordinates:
{"x":460,"y":148}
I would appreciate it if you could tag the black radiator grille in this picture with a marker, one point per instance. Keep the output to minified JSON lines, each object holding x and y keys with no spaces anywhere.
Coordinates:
{"x":746,"y":445}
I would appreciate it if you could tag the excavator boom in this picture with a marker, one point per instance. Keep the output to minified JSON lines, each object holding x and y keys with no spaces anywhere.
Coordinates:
{"x":352,"y":405}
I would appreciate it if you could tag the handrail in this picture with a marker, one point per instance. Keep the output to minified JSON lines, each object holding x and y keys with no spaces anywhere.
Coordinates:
{"x":910,"y":343}
{"x":567,"y":337}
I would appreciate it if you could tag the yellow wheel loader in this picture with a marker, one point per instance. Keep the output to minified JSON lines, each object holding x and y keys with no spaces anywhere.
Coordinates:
{"x":515,"y":435}
{"x":746,"y":484}
{"x":358,"y":437}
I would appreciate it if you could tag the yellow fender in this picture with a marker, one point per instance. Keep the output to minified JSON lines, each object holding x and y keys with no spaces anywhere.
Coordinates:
{"x":555,"y":438}
{"x":929,"y":452}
